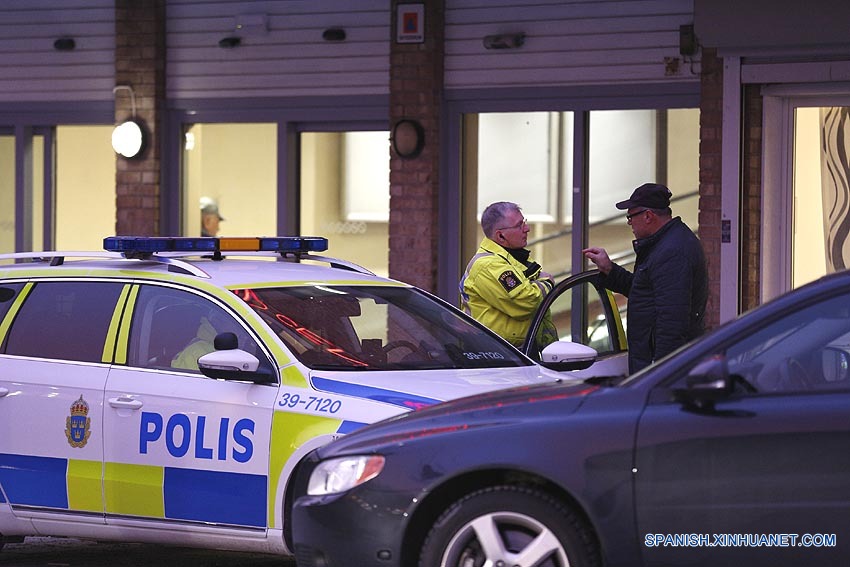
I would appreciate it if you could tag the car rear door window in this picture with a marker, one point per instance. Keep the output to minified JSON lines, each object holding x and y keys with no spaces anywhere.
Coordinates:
{"x":64,"y":321}
{"x":172,"y":328}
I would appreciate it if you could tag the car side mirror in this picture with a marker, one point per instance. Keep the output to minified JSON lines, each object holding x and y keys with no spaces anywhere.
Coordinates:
{"x":233,"y":364}
{"x":706,"y":383}
{"x":563,"y":356}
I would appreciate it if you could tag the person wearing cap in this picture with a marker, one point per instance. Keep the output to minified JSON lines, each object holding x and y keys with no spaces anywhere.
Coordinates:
{"x":210,"y":217}
{"x":502,"y":286}
{"x":668,"y":289}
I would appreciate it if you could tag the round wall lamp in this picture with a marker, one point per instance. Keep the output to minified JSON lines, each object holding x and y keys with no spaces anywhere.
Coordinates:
{"x":408,"y":138}
{"x":128,"y":139}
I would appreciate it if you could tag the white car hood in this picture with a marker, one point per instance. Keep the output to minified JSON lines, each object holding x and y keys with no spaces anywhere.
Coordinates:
{"x":415,"y":389}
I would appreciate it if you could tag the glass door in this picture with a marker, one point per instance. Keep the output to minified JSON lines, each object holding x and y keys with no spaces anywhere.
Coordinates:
{"x":805,"y":200}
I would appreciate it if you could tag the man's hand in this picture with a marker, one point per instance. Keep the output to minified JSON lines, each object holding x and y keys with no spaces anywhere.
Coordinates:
{"x":599,"y":257}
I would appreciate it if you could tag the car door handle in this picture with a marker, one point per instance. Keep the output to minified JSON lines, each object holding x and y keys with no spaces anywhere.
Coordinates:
{"x":125,"y":403}
{"x":3,"y":392}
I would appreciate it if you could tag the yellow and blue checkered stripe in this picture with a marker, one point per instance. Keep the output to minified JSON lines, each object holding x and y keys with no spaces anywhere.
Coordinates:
{"x":134,"y":490}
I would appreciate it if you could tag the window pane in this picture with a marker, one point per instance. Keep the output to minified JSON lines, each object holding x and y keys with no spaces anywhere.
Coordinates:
{"x":173,"y":328}
{"x":629,"y":148}
{"x":233,"y":166}
{"x":525,"y":158}
{"x":67,"y":320}
{"x":345,"y":194}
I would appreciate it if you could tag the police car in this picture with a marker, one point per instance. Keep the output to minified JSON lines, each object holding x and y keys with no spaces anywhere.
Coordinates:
{"x":163,"y":390}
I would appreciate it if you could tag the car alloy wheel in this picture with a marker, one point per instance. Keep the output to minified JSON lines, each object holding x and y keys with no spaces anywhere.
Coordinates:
{"x":511,"y":527}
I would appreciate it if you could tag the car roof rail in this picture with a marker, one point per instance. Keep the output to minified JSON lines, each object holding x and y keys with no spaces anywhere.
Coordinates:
{"x":57,"y":258}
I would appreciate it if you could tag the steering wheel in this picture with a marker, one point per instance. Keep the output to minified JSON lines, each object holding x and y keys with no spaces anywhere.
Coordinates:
{"x":793,"y":375}
{"x":392,"y":345}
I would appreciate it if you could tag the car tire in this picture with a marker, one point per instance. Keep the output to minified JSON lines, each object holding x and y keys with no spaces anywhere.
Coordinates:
{"x":498,"y":524}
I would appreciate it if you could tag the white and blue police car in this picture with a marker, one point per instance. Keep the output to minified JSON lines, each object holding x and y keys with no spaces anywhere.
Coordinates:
{"x":164,"y":390}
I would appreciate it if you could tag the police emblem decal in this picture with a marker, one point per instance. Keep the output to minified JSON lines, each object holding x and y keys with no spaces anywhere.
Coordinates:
{"x":509,"y":280}
{"x":77,"y":425}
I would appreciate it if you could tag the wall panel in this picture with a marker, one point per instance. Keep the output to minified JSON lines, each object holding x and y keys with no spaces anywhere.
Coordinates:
{"x":282,"y":52}
{"x":567,"y":42}
{"x":31,"y":70}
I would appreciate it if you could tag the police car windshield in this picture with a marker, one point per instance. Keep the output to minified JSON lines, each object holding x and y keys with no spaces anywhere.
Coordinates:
{"x":376,"y":328}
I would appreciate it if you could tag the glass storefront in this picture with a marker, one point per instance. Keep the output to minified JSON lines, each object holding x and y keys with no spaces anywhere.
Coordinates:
{"x":527,"y":158}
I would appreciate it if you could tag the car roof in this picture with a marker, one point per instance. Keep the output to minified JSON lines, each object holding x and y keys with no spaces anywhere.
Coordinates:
{"x":232,"y":271}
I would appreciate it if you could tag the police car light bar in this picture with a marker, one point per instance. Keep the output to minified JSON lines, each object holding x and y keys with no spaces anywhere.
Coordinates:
{"x":144,"y":245}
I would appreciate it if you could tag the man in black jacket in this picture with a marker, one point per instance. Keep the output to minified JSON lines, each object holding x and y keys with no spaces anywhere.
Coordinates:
{"x":668,"y":289}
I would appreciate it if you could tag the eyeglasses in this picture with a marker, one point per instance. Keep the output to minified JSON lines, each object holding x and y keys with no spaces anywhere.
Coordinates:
{"x":520,"y":224}
{"x":634,"y":214}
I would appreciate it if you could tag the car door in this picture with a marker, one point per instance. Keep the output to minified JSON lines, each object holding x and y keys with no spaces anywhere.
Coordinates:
{"x":181,"y":447}
{"x":57,"y":340}
{"x":763,"y":474}
{"x":583,"y":311}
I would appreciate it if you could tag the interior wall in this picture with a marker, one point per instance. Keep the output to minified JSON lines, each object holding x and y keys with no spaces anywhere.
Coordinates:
{"x":683,"y":162}
{"x":322,"y":205}
{"x":85,"y":187}
{"x":235,"y":165}
{"x":808,"y":259}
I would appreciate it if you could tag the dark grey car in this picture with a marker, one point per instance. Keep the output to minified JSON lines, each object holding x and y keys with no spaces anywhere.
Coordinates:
{"x":732,"y":451}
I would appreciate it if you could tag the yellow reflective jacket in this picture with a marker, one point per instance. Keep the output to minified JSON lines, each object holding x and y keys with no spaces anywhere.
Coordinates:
{"x":199,"y":346}
{"x":496,"y":291}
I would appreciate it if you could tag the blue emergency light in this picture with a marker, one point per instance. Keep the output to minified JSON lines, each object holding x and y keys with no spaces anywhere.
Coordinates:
{"x":143,"y":245}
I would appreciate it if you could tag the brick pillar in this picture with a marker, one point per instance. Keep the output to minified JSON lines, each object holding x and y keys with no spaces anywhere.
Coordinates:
{"x":416,"y":89}
{"x":140,"y":64}
{"x":751,"y":202}
{"x":710,"y":175}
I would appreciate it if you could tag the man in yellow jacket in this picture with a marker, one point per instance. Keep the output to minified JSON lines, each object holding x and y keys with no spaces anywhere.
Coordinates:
{"x":502,"y":287}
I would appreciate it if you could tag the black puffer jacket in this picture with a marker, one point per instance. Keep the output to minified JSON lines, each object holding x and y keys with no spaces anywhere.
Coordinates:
{"x":667,"y":293}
